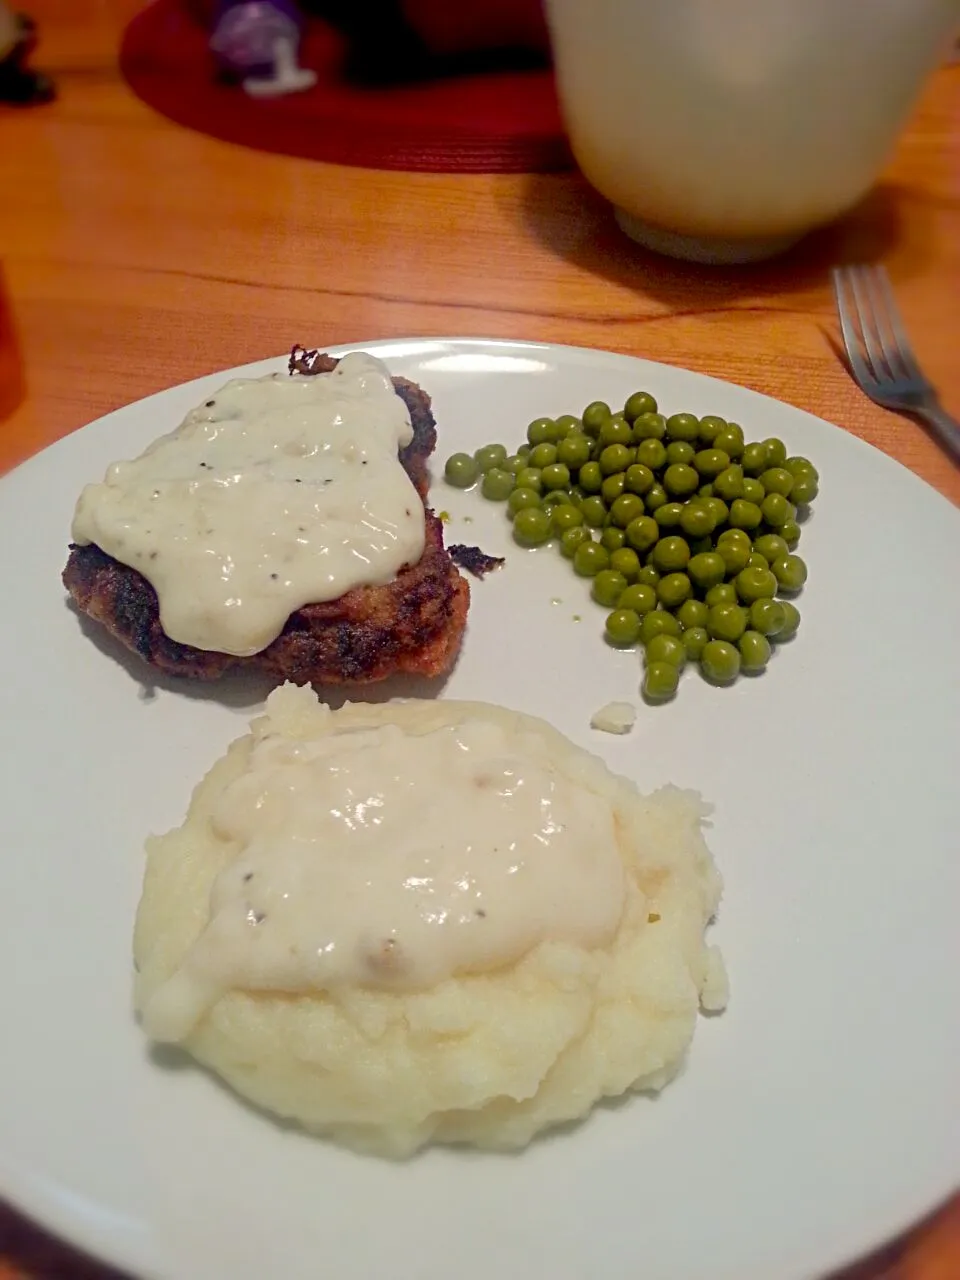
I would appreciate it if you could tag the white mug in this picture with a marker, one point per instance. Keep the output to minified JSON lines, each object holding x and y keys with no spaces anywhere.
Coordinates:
{"x":724,"y":130}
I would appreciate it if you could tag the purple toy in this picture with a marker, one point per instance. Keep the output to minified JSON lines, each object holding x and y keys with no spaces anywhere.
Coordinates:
{"x":256,"y":42}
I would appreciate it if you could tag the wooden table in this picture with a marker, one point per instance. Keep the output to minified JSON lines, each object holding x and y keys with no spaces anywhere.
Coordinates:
{"x":137,"y":254}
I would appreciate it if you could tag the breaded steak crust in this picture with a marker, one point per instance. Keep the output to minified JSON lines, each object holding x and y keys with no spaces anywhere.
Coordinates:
{"x":411,"y":625}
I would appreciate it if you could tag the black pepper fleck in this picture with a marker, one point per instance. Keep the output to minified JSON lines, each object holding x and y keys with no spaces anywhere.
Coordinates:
{"x":248,"y":877}
{"x":481,"y":913}
{"x":210,"y":404}
{"x":274,"y":576}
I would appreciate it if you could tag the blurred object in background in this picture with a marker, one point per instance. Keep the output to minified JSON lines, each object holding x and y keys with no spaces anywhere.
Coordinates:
{"x":453,"y":106}
{"x":751,"y":122}
{"x":257,"y":43}
{"x":18,"y":84}
{"x":11,"y":365}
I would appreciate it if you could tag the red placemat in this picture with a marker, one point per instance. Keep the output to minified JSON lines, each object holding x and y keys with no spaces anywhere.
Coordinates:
{"x":499,"y":122}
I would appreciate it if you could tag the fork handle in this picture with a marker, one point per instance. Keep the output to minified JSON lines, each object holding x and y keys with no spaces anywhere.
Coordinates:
{"x":943,"y":428}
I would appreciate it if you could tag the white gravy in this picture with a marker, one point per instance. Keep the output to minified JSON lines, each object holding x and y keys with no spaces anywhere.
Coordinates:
{"x":379,"y":858}
{"x":275,"y":493}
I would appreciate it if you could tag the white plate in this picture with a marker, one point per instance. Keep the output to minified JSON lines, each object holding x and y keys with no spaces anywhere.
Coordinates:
{"x":818,"y":1115}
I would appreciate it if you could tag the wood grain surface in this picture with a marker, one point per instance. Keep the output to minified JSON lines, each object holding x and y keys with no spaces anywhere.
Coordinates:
{"x":134,"y":255}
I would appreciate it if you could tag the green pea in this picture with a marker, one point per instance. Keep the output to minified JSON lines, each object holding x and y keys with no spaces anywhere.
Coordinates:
{"x":805,"y":488}
{"x":489,"y":456}
{"x":737,"y":431}
{"x":639,"y":403}
{"x":753,"y":491}
{"x":613,"y":539}
{"x":608,"y":587}
{"x":680,"y":480}
{"x":627,"y":508}
{"x":594,"y":416}
{"x":523,"y":450}
{"x":790,"y":572}
{"x":660,"y":680}
{"x":514,"y":464}
{"x":720,"y":510}
{"x":652,"y":453}
{"x":658,"y":623}
{"x":565,"y":517}
{"x":573,"y":538}
{"x":541,"y":431}
{"x":695,"y":640}
{"x":655,"y":497}
{"x":667,"y":516}
{"x":615,"y":457}
{"x":683,"y":426}
{"x":767,"y":616}
{"x":754,"y":459}
{"x":616,"y":431}
{"x":666,"y":648}
{"x":642,"y":533}
{"x":680,"y":452}
{"x":461,"y":470}
{"x":736,"y":535}
{"x":648,"y":576}
{"x":745,"y":515}
{"x":757,"y":561}
{"x":574,"y":450}
{"x":568,"y":424}
{"x":590,"y":478}
{"x":692,"y":613}
{"x":776,"y":452}
{"x":755,"y":584}
{"x":705,"y":491}
{"x":671,"y":554}
{"x":649,"y":426}
{"x":530,"y":478}
{"x":727,"y":621}
{"x":710,"y":427}
{"x":590,"y":558}
{"x":790,"y":532}
{"x":638,"y":597}
{"x":625,"y":561}
{"x":721,"y":593}
{"x":543,"y":455}
{"x":639,"y":479}
{"x":720,"y":661}
{"x":771,"y":546}
{"x":521,"y":498}
{"x":699,"y":545}
{"x":791,"y":622}
{"x":555,"y":476}
{"x":735,"y":555}
{"x":730,"y":441}
{"x":673,"y":589}
{"x":707,"y":569}
{"x":612,"y":487}
{"x":531,"y":526}
{"x":497,"y":485}
{"x":697,"y":520}
{"x":754,"y":652}
{"x":798,"y":465}
{"x":559,"y":497}
{"x":623,"y":627}
{"x":775,"y":510}
{"x":594,"y":511}
{"x":711,"y":462}
{"x":729,"y":484}
{"x":777,"y":480}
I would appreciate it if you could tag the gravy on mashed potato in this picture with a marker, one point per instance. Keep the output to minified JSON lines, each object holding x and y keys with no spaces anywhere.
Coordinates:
{"x":427,"y":921}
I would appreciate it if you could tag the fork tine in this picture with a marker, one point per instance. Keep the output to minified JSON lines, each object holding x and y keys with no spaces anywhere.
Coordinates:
{"x":868,"y":323}
{"x":902,"y":347}
{"x":848,"y":329}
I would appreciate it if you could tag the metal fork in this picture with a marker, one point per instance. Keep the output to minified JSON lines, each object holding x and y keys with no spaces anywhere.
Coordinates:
{"x":879,"y":352}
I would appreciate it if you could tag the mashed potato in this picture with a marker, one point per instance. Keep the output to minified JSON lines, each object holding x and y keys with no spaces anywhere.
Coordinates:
{"x":488,"y":1057}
